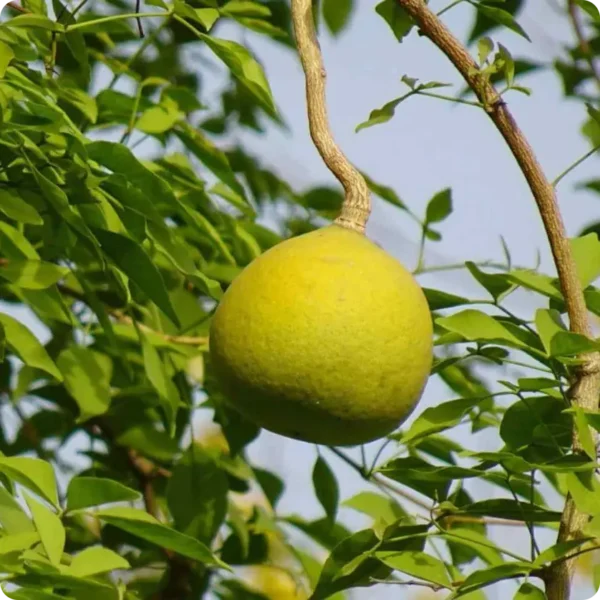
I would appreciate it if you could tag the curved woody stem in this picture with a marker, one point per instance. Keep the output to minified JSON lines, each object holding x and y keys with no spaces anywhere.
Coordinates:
{"x":357,"y":203}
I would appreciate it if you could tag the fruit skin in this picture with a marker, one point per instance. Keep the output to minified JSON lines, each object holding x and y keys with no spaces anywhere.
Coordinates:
{"x":324,"y":338}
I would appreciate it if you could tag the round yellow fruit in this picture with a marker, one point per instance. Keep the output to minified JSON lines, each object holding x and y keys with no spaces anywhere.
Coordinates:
{"x":324,"y":338}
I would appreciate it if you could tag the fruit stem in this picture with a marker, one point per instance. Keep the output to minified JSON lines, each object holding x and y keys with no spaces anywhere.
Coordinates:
{"x":357,"y":202}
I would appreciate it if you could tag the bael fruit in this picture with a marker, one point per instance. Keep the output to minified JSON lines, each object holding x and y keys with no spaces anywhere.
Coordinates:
{"x":323,"y":338}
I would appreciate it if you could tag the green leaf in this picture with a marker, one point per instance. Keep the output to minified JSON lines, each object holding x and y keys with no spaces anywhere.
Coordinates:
{"x":351,"y":564}
{"x":33,"y":473}
{"x":95,"y":560}
{"x":528,"y":591}
{"x":477,"y":543}
{"x":483,"y":25}
{"x":2,"y":343}
{"x":538,"y":283}
{"x":215,"y":160}
{"x":81,"y":101}
{"x":32,"y":594}
{"x":326,"y":487}
{"x":11,"y":202}
{"x":439,"y":207}
{"x":484,"y":48}
{"x":502,"y":17}
{"x":439,"y":300}
{"x":14,"y":542}
{"x":6,"y":55}
{"x":12,"y":517}
{"x":584,"y":487}
{"x":158,"y":119}
{"x":58,"y":199}
{"x":130,"y":258}
{"x":557,"y":340}
{"x":198,"y":477}
{"x":87,"y":377}
{"x":438,"y":418}
{"x":84,"y":492}
{"x":376,"y":506}
{"x":485,"y":577}
{"x":271,"y":485}
{"x":537,"y":384}
{"x":396,"y":17}
{"x":475,"y":325}
{"x":417,"y":564}
{"x":34,"y":22}
{"x":590,"y":8}
{"x":540,"y":420}
{"x":51,"y":530}
{"x":245,"y":8}
{"x":154,"y":443}
{"x":15,"y":245}
{"x":497,"y":284}
{"x":385,"y":192}
{"x":140,"y":524}
{"x":75,"y":587}
{"x":548,"y":323}
{"x":559,"y":550}
{"x":161,"y":382}
{"x":505,"y":508}
{"x":120,"y":160}
{"x":383,"y":114}
{"x":32,"y":274}
{"x":336,"y":14}
{"x":245,"y":68}
{"x":430,"y":480}
{"x":583,"y":430}
{"x":586,"y":254}
{"x":323,"y":198}
{"x":207,"y":17}
{"x":27,"y":347}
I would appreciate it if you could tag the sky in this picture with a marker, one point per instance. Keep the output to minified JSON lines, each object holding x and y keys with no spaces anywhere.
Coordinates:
{"x":428,"y":146}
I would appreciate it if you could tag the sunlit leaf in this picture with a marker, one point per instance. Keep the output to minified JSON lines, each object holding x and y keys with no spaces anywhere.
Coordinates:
{"x":27,"y":347}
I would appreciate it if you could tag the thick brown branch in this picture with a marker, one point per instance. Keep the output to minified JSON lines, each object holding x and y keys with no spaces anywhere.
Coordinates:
{"x":585,"y":389}
{"x":357,"y":204}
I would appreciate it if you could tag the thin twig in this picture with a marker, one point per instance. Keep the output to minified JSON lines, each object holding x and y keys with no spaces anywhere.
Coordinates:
{"x":185,"y":340}
{"x":382,"y":482}
{"x":574,"y":165}
{"x":139,"y":21}
{"x":146,"y":467}
{"x":432,"y":586}
{"x":584,"y":46}
{"x":585,"y":388}
{"x":357,"y":203}
{"x":17,"y":7}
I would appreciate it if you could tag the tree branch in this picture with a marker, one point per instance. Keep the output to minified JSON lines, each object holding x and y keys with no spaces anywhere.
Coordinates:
{"x":382,"y":482}
{"x":17,"y":7}
{"x":432,"y":586}
{"x":186,"y":340}
{"x":585,"y":388}
{"x":357,"y":203}
{"x":584,"y":46}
